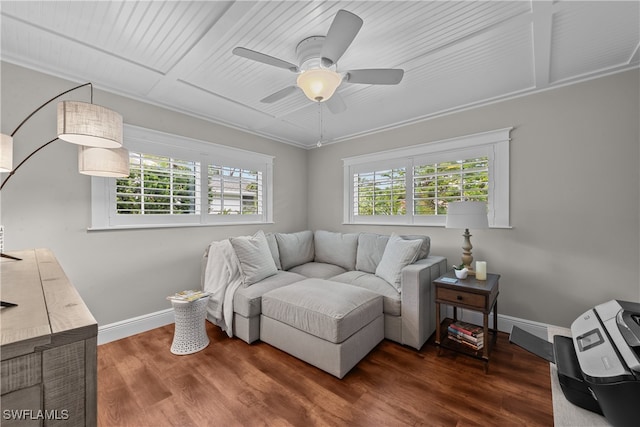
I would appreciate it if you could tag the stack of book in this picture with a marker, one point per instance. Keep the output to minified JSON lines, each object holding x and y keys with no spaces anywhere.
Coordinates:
{"x":189,"y":295}
{"x":466,"y":334}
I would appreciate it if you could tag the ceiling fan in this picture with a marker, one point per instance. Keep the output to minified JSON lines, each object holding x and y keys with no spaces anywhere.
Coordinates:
{"x":317,"y":58}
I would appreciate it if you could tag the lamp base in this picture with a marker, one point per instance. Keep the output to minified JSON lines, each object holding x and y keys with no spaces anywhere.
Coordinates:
{"x":467,"y":258}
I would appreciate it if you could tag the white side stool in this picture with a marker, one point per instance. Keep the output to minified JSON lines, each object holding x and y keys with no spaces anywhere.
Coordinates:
{"x":190,"y":335}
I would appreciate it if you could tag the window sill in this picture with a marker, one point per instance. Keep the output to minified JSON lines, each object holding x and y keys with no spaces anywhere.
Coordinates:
{"x":404,"y":224}
{"x":152,"y":226}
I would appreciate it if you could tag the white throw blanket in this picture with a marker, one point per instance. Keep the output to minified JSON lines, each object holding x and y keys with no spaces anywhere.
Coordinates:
{"x":222,"y":278}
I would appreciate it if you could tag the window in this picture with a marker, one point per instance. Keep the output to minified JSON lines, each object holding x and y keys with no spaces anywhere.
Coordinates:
{"x":178,"y":181}
{"x":414,"y":185}
{"x":379,"y":192}
{"x":234,"y":191}
{"x":437,"y":184}
{"x":159,"y":185}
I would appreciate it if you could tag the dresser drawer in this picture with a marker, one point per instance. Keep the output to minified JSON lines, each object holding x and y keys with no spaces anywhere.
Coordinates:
{"x":21,"y":372}
{"x":461,"y":298}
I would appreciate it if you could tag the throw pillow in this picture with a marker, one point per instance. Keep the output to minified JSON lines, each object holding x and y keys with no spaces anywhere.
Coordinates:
{"x":371,"y":247}
{"x":425,"y":247}
{"x":336,"y":248}
{"x":397,"y":254}
{"x":295,"y":248}
{"x":255,"y":257}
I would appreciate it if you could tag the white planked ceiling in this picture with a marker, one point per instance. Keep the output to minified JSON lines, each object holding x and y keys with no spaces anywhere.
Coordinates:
{"x":455,"y":55}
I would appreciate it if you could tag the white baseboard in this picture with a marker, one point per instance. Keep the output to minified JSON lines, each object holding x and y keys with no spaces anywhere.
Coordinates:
{"x":505,"y":323}
{"x":135,"y":325}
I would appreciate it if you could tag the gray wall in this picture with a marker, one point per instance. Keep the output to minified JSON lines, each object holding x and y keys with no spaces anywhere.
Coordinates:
{"x":119,"y":274}
{"x":574,"y":196}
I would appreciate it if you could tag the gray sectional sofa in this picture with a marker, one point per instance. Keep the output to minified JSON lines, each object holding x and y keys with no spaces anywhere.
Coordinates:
{"x":383,"y":265}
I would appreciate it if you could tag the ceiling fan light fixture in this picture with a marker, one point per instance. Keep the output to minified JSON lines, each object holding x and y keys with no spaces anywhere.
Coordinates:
{"x":319,"y":84}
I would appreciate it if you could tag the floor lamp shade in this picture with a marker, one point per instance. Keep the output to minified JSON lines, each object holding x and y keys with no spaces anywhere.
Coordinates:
{"x":89,"y":124}
{"x":105,"y":162}
{"x":6,"y":153}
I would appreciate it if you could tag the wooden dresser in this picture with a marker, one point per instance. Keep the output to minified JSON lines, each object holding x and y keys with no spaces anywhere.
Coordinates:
{"x":48,"y":345}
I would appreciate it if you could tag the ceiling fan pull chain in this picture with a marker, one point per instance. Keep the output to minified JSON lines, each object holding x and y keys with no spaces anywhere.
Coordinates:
{"x":319,"y":144}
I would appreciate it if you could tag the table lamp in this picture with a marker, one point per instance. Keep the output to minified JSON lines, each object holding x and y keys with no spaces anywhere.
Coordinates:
{"x":467,"y":214}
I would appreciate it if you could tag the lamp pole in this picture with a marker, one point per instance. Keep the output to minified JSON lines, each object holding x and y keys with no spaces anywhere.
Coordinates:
{"x":82,"y":141}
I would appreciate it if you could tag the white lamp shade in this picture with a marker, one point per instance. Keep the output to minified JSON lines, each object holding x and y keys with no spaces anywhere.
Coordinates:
{"x":105,"y":162}
{"x":467,"y":215}
{"x":89,"y":124}
{"x":319,"y":84}
{"x":6,"y":153}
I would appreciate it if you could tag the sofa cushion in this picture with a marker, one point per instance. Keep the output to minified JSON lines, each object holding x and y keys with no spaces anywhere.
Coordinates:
{"x":325,"y":309}
{"x":295,"y":248}
{"x":390,"y":296}
{"x":247,"y":301}
{"x":273,"y":247}
{"x":397,"y":254}
{"x":256,"y":262}
{"x":370,"y":249}
{"x":336,"y":248}
{"x":318,"y":270}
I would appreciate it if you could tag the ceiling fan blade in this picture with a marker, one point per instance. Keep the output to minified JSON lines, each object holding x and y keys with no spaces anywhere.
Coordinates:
{"x":282,"y":93}
{"x":343,"y":30}
{"x":265,"y":59}
{"x":336,"y":104}
{"x":375,"y":76}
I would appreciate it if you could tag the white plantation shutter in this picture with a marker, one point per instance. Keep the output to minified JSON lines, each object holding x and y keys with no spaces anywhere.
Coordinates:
{"x":414,"y":185}
{"x":437,"y":184}
{"x":235,"y":191}
{"x":380,"y":192}
{"x":159,"y":185}
{"x":178,"y":181}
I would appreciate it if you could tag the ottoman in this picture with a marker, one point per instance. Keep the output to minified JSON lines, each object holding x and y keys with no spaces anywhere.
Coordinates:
{"x":327,"y":324}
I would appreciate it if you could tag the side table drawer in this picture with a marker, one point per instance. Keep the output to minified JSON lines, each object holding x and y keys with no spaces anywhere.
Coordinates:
{"x":458,"y":297}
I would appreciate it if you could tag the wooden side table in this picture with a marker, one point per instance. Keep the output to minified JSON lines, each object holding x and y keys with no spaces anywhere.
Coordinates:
{"x":472,"y":294}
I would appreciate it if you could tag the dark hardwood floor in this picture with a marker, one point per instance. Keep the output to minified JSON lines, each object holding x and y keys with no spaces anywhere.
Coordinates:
{"x":231,"y":383}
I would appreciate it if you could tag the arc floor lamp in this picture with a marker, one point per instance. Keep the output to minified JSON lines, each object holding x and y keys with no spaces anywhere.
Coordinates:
{"x":95,"y":129}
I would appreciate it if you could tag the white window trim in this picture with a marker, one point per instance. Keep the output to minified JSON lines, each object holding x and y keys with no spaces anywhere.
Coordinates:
{"x":103,"y":216}
{"x":493,"y":144}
